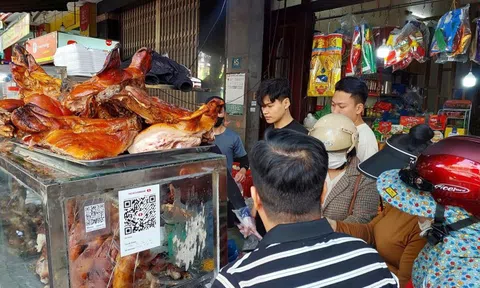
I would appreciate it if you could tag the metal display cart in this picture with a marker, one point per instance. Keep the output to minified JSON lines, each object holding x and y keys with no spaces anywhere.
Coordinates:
{"x":153,"y":219}
{"x":451,"y":109}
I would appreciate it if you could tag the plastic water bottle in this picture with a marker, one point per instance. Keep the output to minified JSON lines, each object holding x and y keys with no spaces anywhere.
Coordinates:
{"x":454,"y":132}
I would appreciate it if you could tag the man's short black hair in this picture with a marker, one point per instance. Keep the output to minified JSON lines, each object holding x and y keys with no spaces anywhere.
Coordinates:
{"x":277,"y":88}
{"x":289,"y":169}
{"x":354,"y":86}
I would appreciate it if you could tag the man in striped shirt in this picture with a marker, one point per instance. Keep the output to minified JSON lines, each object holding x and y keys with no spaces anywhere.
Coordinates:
{"x":300,"y":248}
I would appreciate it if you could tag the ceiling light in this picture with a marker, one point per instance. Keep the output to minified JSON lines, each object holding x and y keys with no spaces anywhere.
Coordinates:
{"x":383,"y":50}
{"x":469,"y":80}
{"x":62,"y":28}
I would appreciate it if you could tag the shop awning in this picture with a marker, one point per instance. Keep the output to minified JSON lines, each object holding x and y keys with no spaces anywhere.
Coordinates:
{"x":29,"y":6}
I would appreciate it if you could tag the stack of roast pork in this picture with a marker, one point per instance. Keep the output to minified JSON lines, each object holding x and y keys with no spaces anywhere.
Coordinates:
{"x":102,"y":117}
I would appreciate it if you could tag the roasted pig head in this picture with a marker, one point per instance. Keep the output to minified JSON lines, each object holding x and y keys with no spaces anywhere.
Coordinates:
{"x":37,"y":115}
{"x":81,"y":99}
{"x":153,"y":110}
{"x":30,"y":77}
{"x":184,"y":132}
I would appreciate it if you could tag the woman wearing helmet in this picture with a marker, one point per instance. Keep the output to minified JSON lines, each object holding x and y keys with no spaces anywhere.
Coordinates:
{"x":395,"y":234}
{"x":350,"y":197}
{"x":443,"y":189}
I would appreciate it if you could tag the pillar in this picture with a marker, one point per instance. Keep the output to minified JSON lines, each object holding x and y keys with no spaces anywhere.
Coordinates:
{"x":244,"y":44}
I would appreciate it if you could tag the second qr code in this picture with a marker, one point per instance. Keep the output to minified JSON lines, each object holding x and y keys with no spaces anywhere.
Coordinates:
{"x":95,"y":217}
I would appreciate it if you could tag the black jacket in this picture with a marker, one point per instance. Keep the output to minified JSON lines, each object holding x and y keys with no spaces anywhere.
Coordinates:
{"x":166,"y":71}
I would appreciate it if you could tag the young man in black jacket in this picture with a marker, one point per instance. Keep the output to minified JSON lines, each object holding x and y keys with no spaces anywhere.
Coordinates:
{"x":274,"y":96}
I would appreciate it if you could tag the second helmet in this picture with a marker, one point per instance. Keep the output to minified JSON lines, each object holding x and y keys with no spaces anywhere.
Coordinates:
{"x":337,"y":132}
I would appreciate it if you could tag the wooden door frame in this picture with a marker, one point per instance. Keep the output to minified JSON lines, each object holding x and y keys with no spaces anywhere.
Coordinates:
{"x":302,"y":17}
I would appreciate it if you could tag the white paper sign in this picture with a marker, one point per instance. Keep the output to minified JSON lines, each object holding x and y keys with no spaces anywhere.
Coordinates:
{"x":95,"y":217}
{"x":235,"y":93}
{"x":139,"y":210}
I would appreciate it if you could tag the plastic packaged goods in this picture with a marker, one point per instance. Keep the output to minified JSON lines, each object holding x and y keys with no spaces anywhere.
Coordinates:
{"x":408,"y":44}
{"x":326,"y":64}
{"x":408,"y":122}
{"x":347,"y":26}
{"x":475,"y":50}
{"x":452,"y":36}
{"x":352,"y":68}
{"x":369,"y":62}
{"x":437,"y":122}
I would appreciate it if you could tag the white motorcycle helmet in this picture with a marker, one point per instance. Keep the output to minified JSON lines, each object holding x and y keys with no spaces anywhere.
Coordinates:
{"x":337,"y":132}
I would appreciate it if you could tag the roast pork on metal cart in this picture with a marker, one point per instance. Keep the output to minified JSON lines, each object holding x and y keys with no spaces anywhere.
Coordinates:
{"x":102,"y":185}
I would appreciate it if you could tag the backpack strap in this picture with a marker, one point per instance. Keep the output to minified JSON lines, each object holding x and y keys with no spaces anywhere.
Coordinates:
{"x":355,"y":192}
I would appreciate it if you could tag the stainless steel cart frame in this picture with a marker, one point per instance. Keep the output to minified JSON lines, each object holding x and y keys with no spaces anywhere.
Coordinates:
{"x":56,"y":179}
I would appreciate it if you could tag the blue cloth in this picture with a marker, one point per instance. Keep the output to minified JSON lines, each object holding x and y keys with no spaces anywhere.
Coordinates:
{"x":231,"y":146}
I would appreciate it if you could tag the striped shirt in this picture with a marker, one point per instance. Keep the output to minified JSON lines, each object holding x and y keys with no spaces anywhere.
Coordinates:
{"x":308,"y":254}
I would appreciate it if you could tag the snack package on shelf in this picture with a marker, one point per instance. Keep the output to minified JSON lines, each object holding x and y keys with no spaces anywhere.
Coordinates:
{"x":475,"y":51}
{"x":453,"y":131}
{"x":437,"y":122}
{"x":382,"y":107}
{"x":353,"y":63}
{"x":385,"y":129}
{"x":408,"y":44}
{"x":369,"y":60}
{"x":408,"y":122}
{"x":396,"y":129}
{"x":452,"y":36}
{"x":458,"y":104}
{"x":326,"y":64}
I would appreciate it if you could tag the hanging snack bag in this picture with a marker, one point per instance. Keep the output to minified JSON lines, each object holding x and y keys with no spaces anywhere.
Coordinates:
{"x":452,"y":34}
{"x":369,"y":61}
{"x":347,"y":26}
{"x":475,"y":51}
{"x":326,"y":64}
{"x":407,"y":44}
{"x":353,"y":61}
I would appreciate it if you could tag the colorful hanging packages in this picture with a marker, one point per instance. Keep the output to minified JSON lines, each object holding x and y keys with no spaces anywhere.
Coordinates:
{"x":369,"y":60}
{"x":325,"y":65}
{"x":475,"y":51}
{"x":353,"y":63}
{"x":452,"y":36}
{"x":408,"y":44}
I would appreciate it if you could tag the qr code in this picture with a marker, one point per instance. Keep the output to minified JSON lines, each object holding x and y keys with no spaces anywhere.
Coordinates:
{"x":140,"y":214}
{"x":95,"y":217}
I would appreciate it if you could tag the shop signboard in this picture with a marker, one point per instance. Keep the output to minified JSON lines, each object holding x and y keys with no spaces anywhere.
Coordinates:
{"x":16,"y":32}
{"x":91,"y":43}
{"x":235,"y":93}
{"x":85,"y":19}
{"x":43,"y":48}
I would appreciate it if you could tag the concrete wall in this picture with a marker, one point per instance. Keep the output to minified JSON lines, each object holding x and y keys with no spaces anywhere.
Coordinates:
{"x":245,"y":20}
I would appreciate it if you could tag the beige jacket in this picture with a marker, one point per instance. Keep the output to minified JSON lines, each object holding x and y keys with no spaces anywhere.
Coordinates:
{"x":338,"y":200}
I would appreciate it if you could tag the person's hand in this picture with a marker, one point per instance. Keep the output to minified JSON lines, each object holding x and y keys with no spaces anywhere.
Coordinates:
{"x":248,"y":227}
{"x":247,"y":224}
{"x":240,"y":176}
